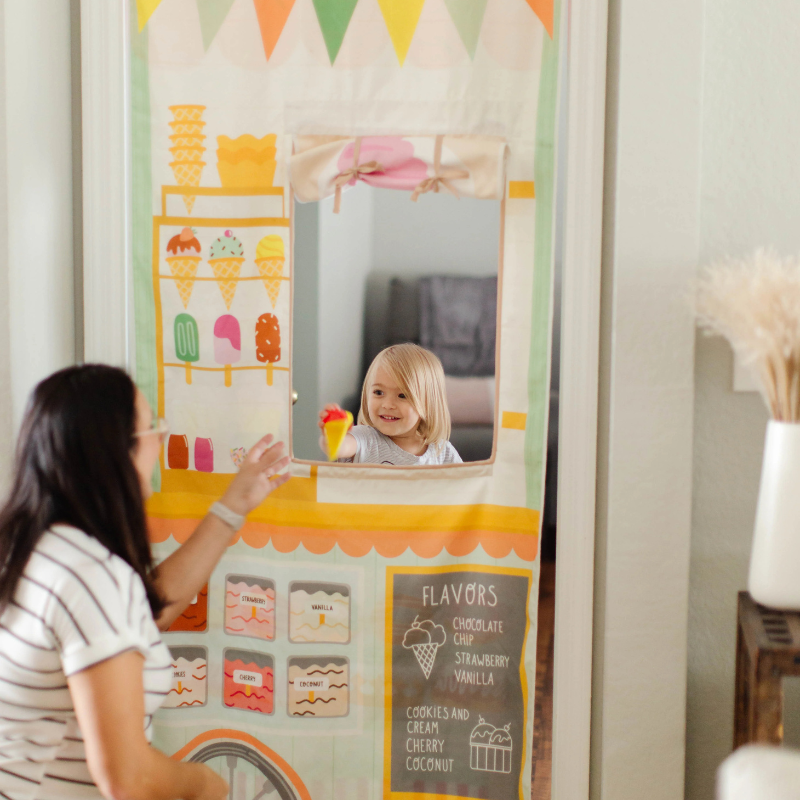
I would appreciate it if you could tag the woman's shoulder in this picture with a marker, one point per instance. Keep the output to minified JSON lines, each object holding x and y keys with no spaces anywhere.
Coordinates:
{"x":73,"y":555}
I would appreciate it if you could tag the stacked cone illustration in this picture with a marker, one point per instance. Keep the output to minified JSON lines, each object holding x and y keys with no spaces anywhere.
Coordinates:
{"x":184,"y":258}
{"x":226,"y":259}
{"x":270,"y":258}
{"x":246,"y":161}
{"x":424,"y":639}
{"x":187,"y":148}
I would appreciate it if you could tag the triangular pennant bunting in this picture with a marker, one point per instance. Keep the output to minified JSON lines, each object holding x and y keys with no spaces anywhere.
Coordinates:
{"x":272,"y":16}
{"x":401,"y":18}
{"x":212,"y":15}
{"x":468,"y":17}
{"x":145,"y":9}
{"x":334,"y":17}
{"x":544,"y":10}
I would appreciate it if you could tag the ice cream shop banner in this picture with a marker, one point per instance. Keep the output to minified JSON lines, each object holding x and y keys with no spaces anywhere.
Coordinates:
{"x":371,"y":632}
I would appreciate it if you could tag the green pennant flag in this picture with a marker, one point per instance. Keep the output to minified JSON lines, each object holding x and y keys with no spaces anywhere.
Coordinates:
{"x":334,"y":17}
{"x":212,"y":15}
{"x":468,"y":17}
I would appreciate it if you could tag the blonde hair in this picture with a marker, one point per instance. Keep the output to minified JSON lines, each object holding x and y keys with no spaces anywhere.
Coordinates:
{"x":420,"y":376}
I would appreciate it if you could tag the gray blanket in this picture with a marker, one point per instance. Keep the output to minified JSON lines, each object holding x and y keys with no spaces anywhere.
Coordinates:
{"x":458,"y":322}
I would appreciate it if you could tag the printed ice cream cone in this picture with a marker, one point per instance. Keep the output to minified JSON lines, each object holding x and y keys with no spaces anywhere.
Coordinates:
{"x":246,"y":161}
{"x":187,"y":113}
{"x":187,"y":147}
{"x":183,"y":262}
{"x":426,"y":655}
{"x":226,"y":259}
{"x":187,"y":173}
{"x":270,"y":259}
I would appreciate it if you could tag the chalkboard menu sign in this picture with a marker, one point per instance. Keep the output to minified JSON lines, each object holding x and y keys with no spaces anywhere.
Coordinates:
{"x":454,"y":661}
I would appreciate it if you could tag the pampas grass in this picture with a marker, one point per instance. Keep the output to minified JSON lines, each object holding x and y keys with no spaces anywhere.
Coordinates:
{"x":755,"y":304}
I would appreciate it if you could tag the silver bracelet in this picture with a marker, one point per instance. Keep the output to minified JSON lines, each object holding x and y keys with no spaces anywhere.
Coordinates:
{"x":229,"y":517}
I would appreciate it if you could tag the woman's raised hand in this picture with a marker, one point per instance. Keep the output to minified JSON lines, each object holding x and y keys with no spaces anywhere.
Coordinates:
{"x":256,"y":478}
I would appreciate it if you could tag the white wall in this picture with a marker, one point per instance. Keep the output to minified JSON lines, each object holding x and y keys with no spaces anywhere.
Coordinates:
{"x":36,"y":256}
{"x":651,"y":212}
{"x":750,"y":197}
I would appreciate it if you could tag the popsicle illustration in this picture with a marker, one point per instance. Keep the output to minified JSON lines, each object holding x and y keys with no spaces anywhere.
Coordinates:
{"x":337,"y":423}
{"x":227,"y":344}
{"x":183,"y":259}
{"x":187,"y":342}
{"x":268,"y":342}
{"x":203,"y":455}
{"x":178,"y":451}
{"x":226,"y":258}
{"x":270,"y":259}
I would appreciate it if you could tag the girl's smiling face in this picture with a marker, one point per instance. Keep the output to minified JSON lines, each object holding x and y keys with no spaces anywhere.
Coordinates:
{"x":390,"y":410}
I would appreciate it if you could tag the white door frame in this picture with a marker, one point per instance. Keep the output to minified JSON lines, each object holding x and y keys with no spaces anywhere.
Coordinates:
{"x":105,"y":54}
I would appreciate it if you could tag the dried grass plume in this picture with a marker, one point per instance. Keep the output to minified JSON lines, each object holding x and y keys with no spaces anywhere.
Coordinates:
{"x":755,"y":304}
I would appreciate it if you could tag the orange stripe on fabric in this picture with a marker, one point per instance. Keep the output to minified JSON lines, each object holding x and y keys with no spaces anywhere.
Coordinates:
{"x":521,"y":190}
{"x":515,"y":420}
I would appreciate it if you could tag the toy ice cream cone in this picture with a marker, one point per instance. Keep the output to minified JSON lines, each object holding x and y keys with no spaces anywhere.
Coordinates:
{"x":246,"y":161}
{"x":270,"y":260}
{"x":426,"y":655}
{"x":183,"y":259}
{"x":337,"y":424}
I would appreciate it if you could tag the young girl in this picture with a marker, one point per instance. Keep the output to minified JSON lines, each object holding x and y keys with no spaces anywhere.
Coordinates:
{"x":404,"y":419}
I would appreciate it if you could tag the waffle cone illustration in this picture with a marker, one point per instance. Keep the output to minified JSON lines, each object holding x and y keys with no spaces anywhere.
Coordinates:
{"x":271,"y":270}
{"x":426,"y":655}
{"x":187,"y":147}
{"x":226,"y":271}
{"x":184,"y":268}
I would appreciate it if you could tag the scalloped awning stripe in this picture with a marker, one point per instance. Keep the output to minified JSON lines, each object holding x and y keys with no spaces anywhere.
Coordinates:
{"x":272,"y":16}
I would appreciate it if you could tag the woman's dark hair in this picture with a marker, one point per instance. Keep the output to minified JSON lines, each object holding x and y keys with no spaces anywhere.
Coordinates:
{"x":74,"y":466}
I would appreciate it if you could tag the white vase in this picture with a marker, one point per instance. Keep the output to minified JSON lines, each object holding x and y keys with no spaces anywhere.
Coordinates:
{"x":775,"y":559}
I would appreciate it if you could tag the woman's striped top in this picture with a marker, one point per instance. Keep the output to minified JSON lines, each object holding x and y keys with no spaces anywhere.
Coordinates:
{"x":75,"y":606}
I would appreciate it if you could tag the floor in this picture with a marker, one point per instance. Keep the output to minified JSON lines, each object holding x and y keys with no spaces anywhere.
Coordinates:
{"x":543,"y":713}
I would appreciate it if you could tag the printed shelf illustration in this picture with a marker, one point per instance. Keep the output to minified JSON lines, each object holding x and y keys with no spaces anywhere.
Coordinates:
{"x":187,"y":148}
{"x":249,"y":681}
{"x":490,"y":747}
{"x":424,"y":638}
{"x":319,"y":612}
{"x":250,"y":606}
{"x":189,"y":677}
{"x":195,"y":616}
{"x":184,"y":258}
{"x":319,"y":686}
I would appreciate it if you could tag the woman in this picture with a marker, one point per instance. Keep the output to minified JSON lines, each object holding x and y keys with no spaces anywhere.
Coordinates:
{"x":82,"y":664}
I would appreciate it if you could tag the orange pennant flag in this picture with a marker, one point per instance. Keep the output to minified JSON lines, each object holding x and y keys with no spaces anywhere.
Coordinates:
{"x":272,"y":16}
{"x":544,"y":10}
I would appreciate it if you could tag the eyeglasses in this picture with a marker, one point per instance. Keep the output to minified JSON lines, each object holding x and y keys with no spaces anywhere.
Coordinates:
{"x":158,"y":426}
